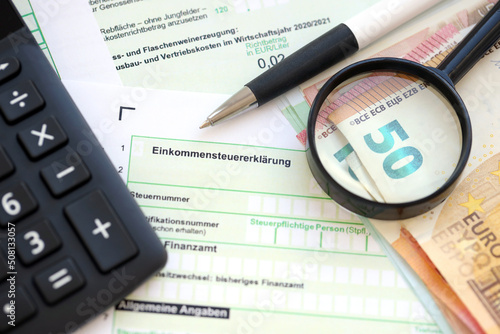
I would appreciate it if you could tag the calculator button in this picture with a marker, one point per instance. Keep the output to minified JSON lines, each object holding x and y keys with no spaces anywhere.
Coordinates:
{"x":20,"y":101}
{"x":101,"y":231}
{"x":16,"y":202}
{"x":37,"y":242}
{"x":42,"y":138}
{"x":9,"y":67}
{"x":59,"y":281}
{"x":24,"y":308}
{"x":62,"y":176}
{"x":6,"y":166}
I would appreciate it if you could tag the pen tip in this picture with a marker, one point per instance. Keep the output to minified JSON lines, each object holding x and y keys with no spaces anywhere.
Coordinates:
{"x":205,"y":124}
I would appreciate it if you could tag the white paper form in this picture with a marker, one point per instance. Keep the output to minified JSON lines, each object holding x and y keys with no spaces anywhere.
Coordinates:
{"x":70,"y":31}
{"x":254,"y":246}
{"x":214,"y":46}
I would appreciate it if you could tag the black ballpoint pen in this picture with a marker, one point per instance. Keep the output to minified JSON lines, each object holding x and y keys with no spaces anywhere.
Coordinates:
{"x":320,"y":54}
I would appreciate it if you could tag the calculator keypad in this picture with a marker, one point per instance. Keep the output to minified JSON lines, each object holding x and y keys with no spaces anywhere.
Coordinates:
{"x":42,"y":138}
{"x":101,"y":231}
{"x":20,"y":101}
{"x":60,"y":176}
{"x":36,"y":242}
{"x":63,"y":175}
{"x":60,"y":280}
{"x":16,"y":202}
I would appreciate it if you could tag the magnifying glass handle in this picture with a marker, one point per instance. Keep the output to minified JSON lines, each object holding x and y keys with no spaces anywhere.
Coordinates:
{"x":473,"y":46}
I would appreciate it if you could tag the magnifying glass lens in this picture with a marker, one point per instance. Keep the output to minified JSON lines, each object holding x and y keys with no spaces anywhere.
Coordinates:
{"x":388,"y":136}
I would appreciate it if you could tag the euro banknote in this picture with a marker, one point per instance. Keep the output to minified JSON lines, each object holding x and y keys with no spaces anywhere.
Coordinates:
{"x":453,"y":248}
{"x":401,"y":130}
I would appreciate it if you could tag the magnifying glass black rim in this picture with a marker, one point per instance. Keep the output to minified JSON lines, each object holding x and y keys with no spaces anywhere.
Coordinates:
{"x":363,"y":206}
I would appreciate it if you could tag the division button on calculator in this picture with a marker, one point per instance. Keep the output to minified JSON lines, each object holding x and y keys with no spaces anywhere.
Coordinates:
{"x":101,"y":231}
{"x":16,"y":202}
{"x":42,"y":138}
{"x":24,"y":308}
{"x":9,"y":67}
{"x":20,"y":101}
{"x":36,"y":242}
{"x":63,"y":175}
{"x":59,"y":281}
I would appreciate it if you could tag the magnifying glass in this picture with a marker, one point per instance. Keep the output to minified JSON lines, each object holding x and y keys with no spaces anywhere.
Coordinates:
{"x":388,"y":138}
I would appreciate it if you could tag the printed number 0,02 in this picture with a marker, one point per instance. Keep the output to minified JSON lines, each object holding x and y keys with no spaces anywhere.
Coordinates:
{"x":394,"y":157}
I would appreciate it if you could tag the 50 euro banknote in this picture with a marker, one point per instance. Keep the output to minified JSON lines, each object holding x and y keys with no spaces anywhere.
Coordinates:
{"x":403,"y":134}
{"x":455,"y":248}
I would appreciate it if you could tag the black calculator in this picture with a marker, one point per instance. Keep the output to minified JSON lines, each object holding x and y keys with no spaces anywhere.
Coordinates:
{"x":73,"y":240}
